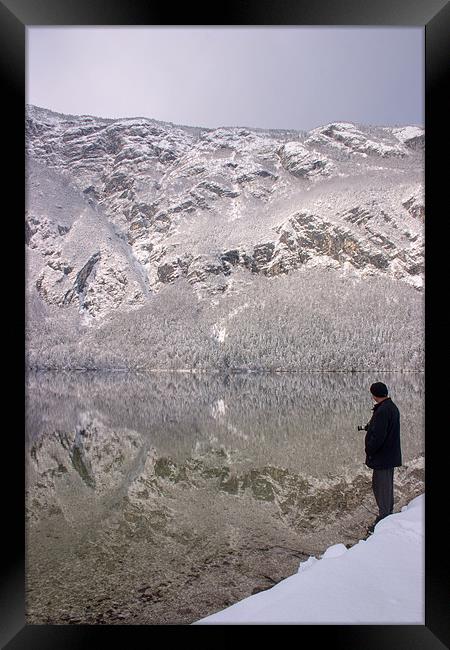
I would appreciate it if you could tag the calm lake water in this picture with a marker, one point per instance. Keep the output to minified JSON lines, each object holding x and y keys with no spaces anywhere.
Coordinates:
{"x":163,"y":497}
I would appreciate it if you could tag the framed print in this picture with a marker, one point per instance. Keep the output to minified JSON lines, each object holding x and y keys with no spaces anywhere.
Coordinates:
{"x":205,"y":278}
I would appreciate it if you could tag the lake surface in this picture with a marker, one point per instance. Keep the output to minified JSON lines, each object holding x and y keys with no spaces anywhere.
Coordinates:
{"x":163,"y":497}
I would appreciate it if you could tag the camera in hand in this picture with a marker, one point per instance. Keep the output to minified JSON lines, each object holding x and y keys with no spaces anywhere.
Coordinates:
{"x":364,"y":428}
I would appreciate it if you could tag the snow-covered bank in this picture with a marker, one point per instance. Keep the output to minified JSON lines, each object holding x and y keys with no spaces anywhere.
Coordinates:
{"x":379,"y":580}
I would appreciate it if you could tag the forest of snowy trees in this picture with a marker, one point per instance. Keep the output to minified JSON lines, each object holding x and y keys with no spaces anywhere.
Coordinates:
{"x":308,"y":320}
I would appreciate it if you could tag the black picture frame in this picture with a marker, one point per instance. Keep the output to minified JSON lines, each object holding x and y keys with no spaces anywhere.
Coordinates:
{"x":434,"y":17}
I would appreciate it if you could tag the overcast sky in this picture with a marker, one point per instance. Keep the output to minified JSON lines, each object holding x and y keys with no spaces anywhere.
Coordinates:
{"x":268,"y":77}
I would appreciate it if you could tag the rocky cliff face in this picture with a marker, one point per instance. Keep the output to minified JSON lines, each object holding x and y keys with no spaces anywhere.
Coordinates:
{"x":116,"y":209}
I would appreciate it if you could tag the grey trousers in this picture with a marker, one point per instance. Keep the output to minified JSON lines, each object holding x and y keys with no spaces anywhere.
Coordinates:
{"x":383,"y":490}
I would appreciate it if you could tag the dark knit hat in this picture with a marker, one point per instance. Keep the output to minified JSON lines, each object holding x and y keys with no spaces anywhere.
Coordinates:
{"x":378,"y":389}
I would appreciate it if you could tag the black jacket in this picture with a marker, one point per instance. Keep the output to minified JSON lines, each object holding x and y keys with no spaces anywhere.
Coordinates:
{"x":382,"y":441}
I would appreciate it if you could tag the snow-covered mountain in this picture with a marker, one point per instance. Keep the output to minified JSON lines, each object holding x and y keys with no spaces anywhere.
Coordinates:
{"x":119,"y":209}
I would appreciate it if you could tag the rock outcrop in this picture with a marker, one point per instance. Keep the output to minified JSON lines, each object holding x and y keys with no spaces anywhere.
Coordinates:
{"x":117,"y":209}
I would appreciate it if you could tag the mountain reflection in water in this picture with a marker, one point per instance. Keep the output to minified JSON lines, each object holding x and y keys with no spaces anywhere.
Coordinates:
{"x":145,"y":492}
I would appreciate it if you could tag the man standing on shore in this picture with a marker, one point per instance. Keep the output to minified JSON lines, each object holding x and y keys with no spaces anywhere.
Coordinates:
{"x":382,"y":447}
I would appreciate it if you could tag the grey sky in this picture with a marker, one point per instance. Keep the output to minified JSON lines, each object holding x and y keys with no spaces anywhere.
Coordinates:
{"x":268,"y":77}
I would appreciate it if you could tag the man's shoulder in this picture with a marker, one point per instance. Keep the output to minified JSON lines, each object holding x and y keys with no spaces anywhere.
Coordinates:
{"x":391,"y":405}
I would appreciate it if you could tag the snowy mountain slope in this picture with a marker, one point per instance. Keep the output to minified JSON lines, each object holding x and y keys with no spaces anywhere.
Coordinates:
{"x":117,"y":210}
{"x":78,"y":248}
{"x":174,"y":192}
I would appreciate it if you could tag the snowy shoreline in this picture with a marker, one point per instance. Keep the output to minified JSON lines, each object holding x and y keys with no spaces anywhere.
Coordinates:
{"x":380,"y":580}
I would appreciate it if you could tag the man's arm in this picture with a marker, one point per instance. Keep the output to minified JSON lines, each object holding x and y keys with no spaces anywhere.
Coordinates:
{"x":377,"y":432}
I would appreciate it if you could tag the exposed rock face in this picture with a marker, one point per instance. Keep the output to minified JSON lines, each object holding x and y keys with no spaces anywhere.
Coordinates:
{"x":415,"y":204}
{"x":346,"y":136}
{"x":301,"y":162}
{"x":119,"y":208}
{"x":83,"y":262}
{"x":82,"y":276}
{"x":411,"y":137}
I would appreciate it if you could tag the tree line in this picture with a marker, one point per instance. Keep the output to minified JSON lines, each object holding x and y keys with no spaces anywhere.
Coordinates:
{"x":307,"y":320}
